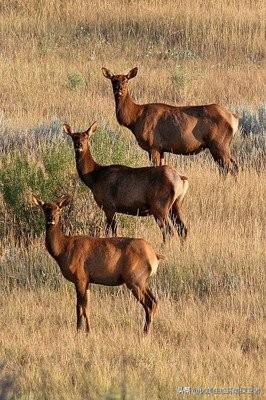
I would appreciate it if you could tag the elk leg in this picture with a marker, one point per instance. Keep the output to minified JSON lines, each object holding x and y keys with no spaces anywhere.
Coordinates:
{"x":175,"y":215}
{"x":79,"y":310}
{"x":111,"y":224}
{"x":79,"y":314}
{"x":147,"y":301}
{"x":163,"y":222}
{"x":223,"y":158}
{"x":150,"y":159}
{"x":85,"y":308}
{"x":155,"y":157}
{"x":234,"y":167}
{"x":154,"y":300}
{"x":162,"y":160}
{"x":169,"y":228}
{"x":164,"y":227}
{"x":150,"y":309}
{"x":82,"y":305}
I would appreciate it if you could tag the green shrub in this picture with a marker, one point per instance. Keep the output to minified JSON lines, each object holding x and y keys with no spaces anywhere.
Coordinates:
{"x":180,"y":77}
{"x":48,"y":174}
{"x":75,"y":81}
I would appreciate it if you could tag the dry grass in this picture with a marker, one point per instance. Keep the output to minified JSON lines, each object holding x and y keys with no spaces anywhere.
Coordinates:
{"x":209,"y":328}
{"x":52,"y":54}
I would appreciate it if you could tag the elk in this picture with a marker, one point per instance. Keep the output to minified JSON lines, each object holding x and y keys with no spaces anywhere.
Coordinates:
{"x":185,"y":130}
{"x":157,"y":191}
{"x":85,"y":260}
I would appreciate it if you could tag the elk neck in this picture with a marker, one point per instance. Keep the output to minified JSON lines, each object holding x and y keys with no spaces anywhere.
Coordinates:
{"x":127,"y":112}
{"x":55,"y":240}
{"x":86,"y":166}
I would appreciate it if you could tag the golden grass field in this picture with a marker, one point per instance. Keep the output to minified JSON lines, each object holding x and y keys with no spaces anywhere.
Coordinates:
{"x":209,"y":330}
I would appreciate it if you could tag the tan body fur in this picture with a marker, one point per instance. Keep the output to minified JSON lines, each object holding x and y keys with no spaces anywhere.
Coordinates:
{"x":187,"y":130}
{"x":157,"y":191}
{"x":107,"y":261}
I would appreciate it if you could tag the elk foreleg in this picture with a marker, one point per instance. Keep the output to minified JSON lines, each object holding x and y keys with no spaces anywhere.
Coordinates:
{"x":82,"y":291}
{"x":79,"y":312}
{"x":155,"y":157}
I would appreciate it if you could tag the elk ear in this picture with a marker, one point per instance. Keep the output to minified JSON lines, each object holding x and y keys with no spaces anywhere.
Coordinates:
{"x":64,"y":201}
{"x":67,"y":129}
{"x":108,"y":74}
{"x":37,"y":201}
{"x":92,"y":128}
{"x":132,"y":73}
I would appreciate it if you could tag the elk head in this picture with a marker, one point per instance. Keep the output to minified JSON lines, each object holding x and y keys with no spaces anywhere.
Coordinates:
{"x":120,"y":82}
{"x":80,"y":139}
{"x":52,"y":211}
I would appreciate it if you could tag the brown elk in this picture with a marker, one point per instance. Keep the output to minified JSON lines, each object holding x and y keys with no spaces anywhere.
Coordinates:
{"x":187,"y":130}
{"x":84,"y":260}
{"x":157,"y":191}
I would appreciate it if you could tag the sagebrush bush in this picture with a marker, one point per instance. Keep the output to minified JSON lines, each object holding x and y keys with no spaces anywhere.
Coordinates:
{"x":253,"y":121}
{"x":75,"y":81}
{"x":47,"y":172}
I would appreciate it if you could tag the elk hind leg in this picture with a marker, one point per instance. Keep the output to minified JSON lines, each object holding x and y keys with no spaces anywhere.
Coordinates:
{"x":234,"y":170}
{"x":154,"y":301}
{"x":164,"y":226}
{"x":147,"y":301}
{"x":222,"y":158}
{"x":175,"y":215}
{"x":110,"y":224}
{"x":160,"y":211}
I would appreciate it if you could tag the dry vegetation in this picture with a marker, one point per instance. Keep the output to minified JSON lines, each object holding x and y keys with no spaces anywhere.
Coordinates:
{"x":209,"y":328}
{"x":52,"y":53}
